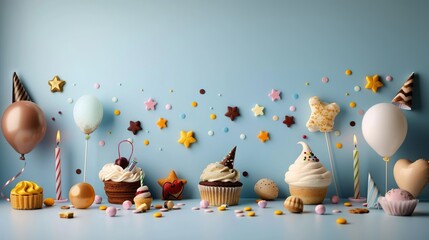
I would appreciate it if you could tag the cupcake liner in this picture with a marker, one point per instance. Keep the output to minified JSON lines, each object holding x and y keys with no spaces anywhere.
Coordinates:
{"x":26,"y":202}
{"x":140,"y":201}
{"x":309,"y":195}
{"x":398,"y":208}
{"x":220,"y":195}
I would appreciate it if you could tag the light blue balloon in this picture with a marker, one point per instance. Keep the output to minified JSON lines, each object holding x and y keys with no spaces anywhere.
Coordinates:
{"x":88,"y":113}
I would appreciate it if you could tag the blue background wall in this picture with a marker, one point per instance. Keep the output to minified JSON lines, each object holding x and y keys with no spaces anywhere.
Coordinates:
{"x":237,"y":51}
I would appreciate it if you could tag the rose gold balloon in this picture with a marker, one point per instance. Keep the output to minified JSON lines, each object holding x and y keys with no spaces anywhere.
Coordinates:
{"x":82,"y":195}
{"x":23,"y":124}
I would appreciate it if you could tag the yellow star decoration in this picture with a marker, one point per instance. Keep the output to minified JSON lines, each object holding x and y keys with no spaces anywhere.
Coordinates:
{"x":162,"y":123}
{"x":186,"y":138}
{"x":373,"y":83}
{"x":56,"y":84}
{"x":264,"y":136}
{"x":258,"y":110}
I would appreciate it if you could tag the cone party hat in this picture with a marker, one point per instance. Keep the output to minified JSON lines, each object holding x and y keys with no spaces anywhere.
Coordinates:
{"x":228,"y":161}
{"x":404,"y":97}
{"x":18,"y":91}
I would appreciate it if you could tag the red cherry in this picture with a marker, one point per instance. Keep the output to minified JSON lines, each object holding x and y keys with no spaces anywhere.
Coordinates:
{"x":123,"y":162}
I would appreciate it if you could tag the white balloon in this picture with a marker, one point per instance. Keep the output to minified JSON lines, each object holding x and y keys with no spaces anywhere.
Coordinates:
{"x":384,"y":128}
{"x":87,"y":113}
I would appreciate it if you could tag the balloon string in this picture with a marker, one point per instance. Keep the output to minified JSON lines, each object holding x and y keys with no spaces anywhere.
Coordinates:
{"x":386,"y":159}
{"x":84,"y":164}
{"x":132,"y":148}
{"x":11,"y":180}
{"x":332,"y":165}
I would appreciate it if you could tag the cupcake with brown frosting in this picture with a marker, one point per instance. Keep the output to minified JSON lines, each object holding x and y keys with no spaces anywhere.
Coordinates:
{"x":220,"y":182}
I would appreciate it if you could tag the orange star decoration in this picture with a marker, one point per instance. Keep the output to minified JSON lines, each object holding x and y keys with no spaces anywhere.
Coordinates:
{"x":172,"y":186}
{"x":264,"y":136}
{"x":162,"y":123}
{"x":373,"y":83}
{"x":186,"y":138}
{"x":56,"y":84}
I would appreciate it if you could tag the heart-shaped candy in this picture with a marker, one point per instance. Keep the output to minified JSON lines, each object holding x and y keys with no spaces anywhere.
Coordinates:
{"x":411,"y":177}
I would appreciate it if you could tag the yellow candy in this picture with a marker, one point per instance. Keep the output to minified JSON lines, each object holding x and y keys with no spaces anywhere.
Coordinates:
{"x":247,"y":209}
{"x":341,"y":221}
{"x":278,"y":212}
{"x":352,"y":104}
{"x":194,"y":104}
{"x":102,"y":207}
{"x":213,"y":116}
{"x":117,"y":112}
{"x":49,"y":202}
{"x":339,"y":145}
{"x":348,"y":72}
{"x":251,"y":214}
{"x":348,"y":204}
{"x":221,"y":208}
{"x":146,"y":142}
{"x":157,"y":214}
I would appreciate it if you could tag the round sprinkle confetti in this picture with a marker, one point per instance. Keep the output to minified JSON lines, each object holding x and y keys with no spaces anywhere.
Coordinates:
{"x":278,"y":212}
{"x":210,"y":133}
{"x":109,"y":132}
{"x":219,"y":94}
{"x":53,"y":119}
{"x":275,"y":118}
{"x":160,"y":149}
{"x":347,"y":94}
{"x":325,"y":79}
{"x":251,"y":214}
{"x":182,"y":116}
{"x":240,"y":215}
{"x":146,"y":142}
{"x":357,"y":88}
{"x":59,"y":112}
{"x":339,"y":145}
{"x":96,"y":85}
{"x":195,"y":208}
{"x":114,"y":99}
{"x":168,"y":106}
{"x":352,"y":104}
{"x":348,"y":72}
{"x":74,"y":84}
{"x":117,"y":112}
{"x":142,"y":89}
{"x":307,"y":84}
{"x":337,"y":133}
{"x":242,"y":136}
{"x":171,"y":90}
{"x":341,"y":221}
{"x":245,"y":174}
{"x":157,"y":214}
{"x":304,"y":136}
{"x":361,"y":112}
{"x":211,"y":108}
{"x":194,"y":104}
{"x":101,"y":143}
{"x":247,"y":209}
{"x":238,"y":211}
{"x":389,"y":78}
{"x":78,"y":171}
{"x":208,"y":210}
{"x":70,"y":100}
{"x":336,"y":211}
{"x":225,"y":129}
{"x":352,"y":123}
{"x":202,"y":91}
{"x":295,"y":96}
{"x":213,"y":116}
{"x":347,"y":204}
{"x":292,"y":108}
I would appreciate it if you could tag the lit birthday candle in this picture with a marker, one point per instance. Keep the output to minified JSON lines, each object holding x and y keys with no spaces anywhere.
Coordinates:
{"x":58,"y":167}
{"x":356,"y":169}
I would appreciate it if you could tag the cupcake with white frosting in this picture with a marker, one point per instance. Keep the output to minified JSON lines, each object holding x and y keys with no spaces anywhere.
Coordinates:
{"x":308,"y":179}
{"x":143,"y":196}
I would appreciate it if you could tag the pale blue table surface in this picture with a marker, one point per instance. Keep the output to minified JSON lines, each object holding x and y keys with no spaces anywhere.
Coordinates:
{"x":186,"y":223}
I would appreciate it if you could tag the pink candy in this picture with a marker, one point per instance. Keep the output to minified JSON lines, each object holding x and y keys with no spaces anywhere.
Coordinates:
{"x":320,"y":209}
{"x":262,"y":204}
{"x":127,"y":204}
{"x":98,"y":199}
{"x":111,"y":211}
{"x":335,"y":199}
{"x":204,"y":204}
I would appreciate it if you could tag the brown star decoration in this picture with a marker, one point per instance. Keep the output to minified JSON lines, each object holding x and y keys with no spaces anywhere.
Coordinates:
{"x":135,"y":127}
{"x":232,"y":113}
{"x":289,"y":121}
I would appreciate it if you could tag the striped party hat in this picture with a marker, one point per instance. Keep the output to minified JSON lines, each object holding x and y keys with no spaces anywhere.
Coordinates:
{"x":373,"y":193}
{"x":18,"y":90}
{"x":404,"y":97}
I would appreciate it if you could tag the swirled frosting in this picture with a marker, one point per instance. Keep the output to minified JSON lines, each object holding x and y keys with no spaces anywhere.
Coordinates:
{"x":307,"y":171}
{"x":143,"y":192}
{"x":26,"y":188}
{"x":116,"y":173}
{"x":216,"y":172}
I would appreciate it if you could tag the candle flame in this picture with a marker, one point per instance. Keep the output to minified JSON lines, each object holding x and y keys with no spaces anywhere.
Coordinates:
{"x":58,"y":137}
{"x":354,"y":140}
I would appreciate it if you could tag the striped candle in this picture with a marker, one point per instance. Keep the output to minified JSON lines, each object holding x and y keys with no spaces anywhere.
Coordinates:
{"x":58,"y":168}
{"x":356,"y":170}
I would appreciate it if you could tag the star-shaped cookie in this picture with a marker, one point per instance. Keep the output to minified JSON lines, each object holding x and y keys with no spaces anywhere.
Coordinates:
{"x":56,"y":84}
{"x":373,"y":83}
{"x":322,"y":115}
{"x":150,"y":104}
{"x":232,"y":113}
{"x":258,"y":110}
{"x":135,"y":127}
{"x":172,"y":186}
{"x":289,"y":121}
{"x":162,"y":123}
{"x":263,"y":136}
{"x":274,"y":95}
{"x":186,"y":138}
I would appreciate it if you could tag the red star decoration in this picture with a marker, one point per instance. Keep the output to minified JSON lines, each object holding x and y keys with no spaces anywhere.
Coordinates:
{"x":289,"y":121}
{"x":135,"y":127}
{"x":232,"y":113}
